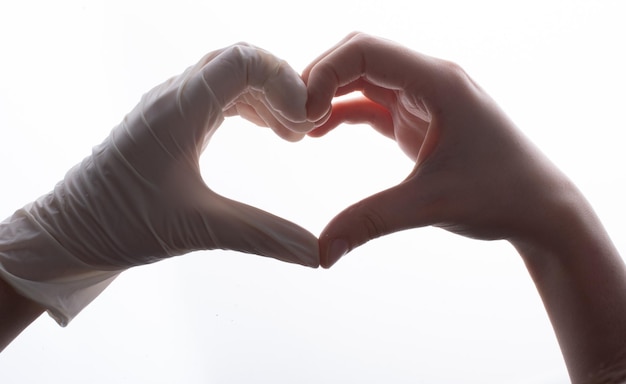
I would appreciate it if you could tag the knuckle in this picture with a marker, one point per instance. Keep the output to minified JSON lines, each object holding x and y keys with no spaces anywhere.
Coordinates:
{"x":454,"y":73}
{"x":360,"y":37}
{"x":238,"y":51}
{"x":243,"y":52}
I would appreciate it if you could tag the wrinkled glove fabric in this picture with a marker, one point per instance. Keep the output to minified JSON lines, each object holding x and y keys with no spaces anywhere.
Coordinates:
{"x":140,"y":196}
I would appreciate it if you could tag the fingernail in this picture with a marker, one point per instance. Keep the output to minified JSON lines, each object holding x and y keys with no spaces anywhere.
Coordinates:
{"x":338,"y":248}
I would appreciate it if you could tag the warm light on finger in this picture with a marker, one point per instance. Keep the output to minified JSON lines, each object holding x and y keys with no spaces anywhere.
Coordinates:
{"x":357,"y":110}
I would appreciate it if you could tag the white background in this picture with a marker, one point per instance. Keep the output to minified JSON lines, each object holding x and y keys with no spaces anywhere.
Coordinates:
{"x":422,"y":306}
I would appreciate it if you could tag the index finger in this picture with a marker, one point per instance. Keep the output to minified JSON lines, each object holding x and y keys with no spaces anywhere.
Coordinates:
{"x":243,"y":66}
{"x":381,"y":62}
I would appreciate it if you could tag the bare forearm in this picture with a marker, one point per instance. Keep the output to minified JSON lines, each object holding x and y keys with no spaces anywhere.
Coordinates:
{"x":582,"y":281}
{"x":16,"y":313}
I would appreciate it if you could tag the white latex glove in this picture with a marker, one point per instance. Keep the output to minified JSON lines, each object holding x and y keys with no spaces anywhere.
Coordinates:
{"x":140,"y":196}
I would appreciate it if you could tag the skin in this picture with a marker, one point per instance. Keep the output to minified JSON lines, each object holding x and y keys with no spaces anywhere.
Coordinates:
{"x":16,"y":313}
{"x":475,"y":175}
{"x":478,"y":176}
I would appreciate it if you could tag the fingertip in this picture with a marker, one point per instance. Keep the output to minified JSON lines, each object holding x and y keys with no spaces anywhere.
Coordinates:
{"x":331,"y":250}
{"x":315,"y":111}
{"x":320,"y":92}
{"x":311,"y":261}
{"x":287,"y":94}
{"x":303,"y":248}
{"x":319,"y":131}
{"x":301,"y":128}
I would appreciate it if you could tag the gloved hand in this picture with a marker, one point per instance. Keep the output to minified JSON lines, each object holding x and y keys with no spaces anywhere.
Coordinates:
{"x":140,"y":196}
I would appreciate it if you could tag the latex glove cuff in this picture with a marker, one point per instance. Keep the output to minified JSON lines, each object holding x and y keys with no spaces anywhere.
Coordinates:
{"x":39,"y":268}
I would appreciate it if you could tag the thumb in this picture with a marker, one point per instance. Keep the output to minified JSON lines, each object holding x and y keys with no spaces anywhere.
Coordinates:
{"x":395,"y":209}
{"x":231,"y":225}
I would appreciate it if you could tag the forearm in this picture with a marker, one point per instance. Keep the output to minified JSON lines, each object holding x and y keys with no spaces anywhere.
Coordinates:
{"x":582,"y":281}
{"x":16,"y":313}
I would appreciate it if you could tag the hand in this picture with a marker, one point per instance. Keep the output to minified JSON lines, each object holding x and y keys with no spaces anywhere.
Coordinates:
{"x":475,"y":173}
{"x":140,"y":196}
{"x":143,"y":184}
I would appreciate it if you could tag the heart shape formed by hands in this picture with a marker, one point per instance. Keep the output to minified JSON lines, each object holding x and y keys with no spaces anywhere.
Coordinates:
{"x":154,"y":161}
{"x":140,"y":197}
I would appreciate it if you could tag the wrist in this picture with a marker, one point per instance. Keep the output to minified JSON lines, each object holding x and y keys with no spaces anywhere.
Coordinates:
{"x":560,"y":221}
{"x":40,"y":270}
{"x":16,"y":313}
{"x":581,"y":279}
